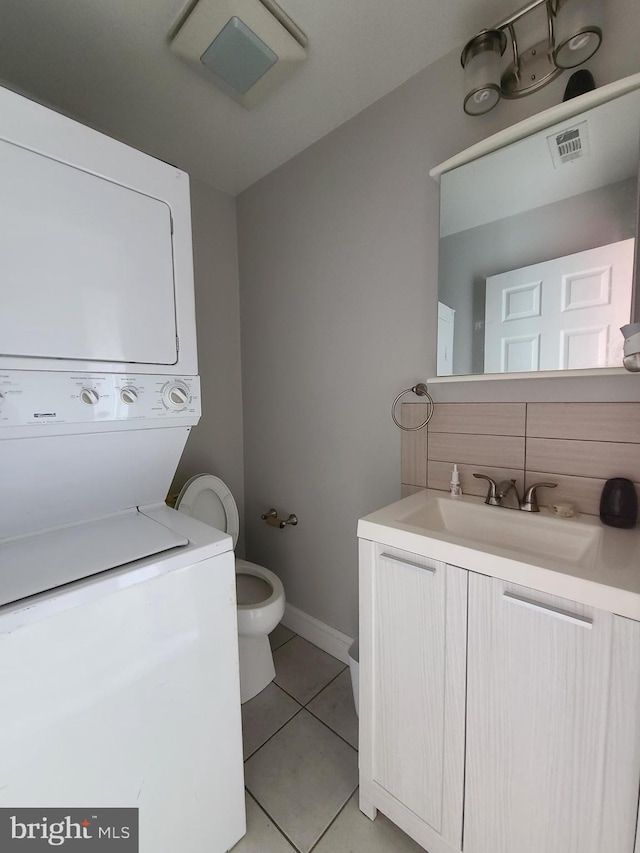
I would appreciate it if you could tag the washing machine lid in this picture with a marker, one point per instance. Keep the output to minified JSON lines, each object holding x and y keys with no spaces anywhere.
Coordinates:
{"x":208,"y":499}
{"x":53,"y":558}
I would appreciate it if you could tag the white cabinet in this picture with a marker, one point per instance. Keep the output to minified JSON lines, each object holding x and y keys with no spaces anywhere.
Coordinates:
{"x":553,"y":742}
{"x":494,"y":718}
{"x":413,"y":637}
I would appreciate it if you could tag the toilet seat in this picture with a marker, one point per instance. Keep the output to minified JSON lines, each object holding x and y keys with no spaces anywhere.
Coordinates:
{"x":208,"y":499}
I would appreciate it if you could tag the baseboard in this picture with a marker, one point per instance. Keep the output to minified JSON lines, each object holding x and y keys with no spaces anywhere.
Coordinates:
{"x":323,"y":636}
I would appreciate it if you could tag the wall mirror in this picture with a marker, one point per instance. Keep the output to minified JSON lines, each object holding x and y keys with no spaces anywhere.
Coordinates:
{"x":537,"y":243}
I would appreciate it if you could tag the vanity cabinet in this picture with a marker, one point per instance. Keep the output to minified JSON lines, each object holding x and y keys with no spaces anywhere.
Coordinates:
{"x":495,"y":718}
{"x":413,"y":621}
{"x":552,"y":756}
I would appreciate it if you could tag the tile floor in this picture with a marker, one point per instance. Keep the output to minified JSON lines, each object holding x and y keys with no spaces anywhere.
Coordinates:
{"x":301,"y":763}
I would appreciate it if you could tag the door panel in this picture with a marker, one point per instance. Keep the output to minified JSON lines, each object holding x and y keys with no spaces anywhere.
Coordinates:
{"x":561,"y":314}
{"x":87,"y":265}
{"x":419,"y":634}
{"x":553,"y":750}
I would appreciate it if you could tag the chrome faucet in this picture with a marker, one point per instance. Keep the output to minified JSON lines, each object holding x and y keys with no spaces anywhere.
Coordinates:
{"x":492,"y":495}
{"x":530,"y":500}
{"x":505,"y":494}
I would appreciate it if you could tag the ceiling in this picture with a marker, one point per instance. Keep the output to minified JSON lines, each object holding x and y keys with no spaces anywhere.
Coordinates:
{"x":108,"y":63}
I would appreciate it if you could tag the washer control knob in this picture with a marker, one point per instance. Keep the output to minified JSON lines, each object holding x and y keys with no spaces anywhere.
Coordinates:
{"x":176,"y":396}
{"x":129,"y":395}
{"x":89,"y":396}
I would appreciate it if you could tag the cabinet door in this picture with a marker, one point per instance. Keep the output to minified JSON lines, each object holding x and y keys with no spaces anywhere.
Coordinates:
{"x":553,"y":742}
{"x":413,"y":633}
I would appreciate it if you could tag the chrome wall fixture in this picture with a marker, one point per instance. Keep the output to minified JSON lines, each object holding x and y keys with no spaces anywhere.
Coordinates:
{"x":573,"y":33}
{"x":420,"y":390}
{"x":273,"y":519}
{"x":631,"y":357}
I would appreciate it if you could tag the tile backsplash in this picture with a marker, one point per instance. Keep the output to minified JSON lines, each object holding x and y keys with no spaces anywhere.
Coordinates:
{"x":576,"y":445}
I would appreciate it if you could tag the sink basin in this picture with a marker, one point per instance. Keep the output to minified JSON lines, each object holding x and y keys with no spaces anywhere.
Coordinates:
{"x":539,"y":535}
{"x":578,"y":559}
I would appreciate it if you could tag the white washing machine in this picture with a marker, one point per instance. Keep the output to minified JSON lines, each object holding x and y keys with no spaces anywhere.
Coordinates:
{"x":121,"y":689}
{"x":118,"y":633}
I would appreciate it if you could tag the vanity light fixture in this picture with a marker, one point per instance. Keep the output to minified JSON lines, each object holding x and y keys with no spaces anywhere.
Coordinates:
{"x":573,"y":34}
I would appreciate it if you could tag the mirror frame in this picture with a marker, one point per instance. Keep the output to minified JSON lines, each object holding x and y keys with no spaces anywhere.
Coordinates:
{"x":531,"y":125}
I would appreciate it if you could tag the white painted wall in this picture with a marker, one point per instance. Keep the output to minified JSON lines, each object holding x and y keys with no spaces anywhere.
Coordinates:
{"x":215,"y":445}
{"x":338,"y":257}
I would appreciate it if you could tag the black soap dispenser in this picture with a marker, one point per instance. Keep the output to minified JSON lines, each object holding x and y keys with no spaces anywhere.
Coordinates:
{"x":619,"y":503}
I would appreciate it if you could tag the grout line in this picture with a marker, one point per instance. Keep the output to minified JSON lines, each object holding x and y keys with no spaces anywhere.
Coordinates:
{"x":273,"y":821}
{"x":584,"y":440}
{"x":526,"y":441}
{"x":288,"y":640}
{"x":333,"y":731}
{"x":304,"y":704}
{"x":333,"y":820}
{"x":315,"y":695}
{"x":273,"y":734}
{"x":303,"y":708}
{"x":288,"y":694}
{"x":481,"y":434}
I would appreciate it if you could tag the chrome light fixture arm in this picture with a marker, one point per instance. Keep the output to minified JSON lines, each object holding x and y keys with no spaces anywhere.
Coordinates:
{"x":573,"y":34}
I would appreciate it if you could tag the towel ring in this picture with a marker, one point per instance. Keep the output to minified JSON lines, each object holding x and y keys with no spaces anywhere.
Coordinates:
{"x":421,"y":391}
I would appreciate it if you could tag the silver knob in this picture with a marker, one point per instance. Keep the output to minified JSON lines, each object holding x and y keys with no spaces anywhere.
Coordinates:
{"x":492,"y":497}
{"x":129,"y":395}
{"x":176,"y":396}
{"x":89,"y":396}
{"x":530,"y":499}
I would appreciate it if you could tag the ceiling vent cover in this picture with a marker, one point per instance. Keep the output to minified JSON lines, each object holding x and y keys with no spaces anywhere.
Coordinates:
{"x":245,"y":46}
{"x":569,"y":144}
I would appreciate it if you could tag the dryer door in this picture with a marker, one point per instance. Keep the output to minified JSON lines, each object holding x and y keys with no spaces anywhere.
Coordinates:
{"x":87,"y":265}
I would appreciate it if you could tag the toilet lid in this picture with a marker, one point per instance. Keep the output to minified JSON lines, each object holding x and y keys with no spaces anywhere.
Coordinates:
{"x":208,"y":499}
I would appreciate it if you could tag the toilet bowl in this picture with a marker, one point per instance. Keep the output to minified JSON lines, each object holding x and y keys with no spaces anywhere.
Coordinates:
{"x":260,"y":594}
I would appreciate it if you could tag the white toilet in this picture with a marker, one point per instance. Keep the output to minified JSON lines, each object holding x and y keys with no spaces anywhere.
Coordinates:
{"x":260,"y":593}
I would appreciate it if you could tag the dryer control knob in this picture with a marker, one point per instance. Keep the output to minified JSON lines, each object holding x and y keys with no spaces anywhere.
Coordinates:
{"x":89,"y":396}
{"x":176,"y":396}
{"x":129,"y":395}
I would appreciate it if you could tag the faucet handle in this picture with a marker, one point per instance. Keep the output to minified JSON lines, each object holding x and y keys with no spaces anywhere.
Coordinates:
{"x":530,"y":499}
{"x":492,"y":495}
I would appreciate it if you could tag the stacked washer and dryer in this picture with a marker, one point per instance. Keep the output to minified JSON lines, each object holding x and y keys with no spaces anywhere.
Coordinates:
{"x":118,"y":637}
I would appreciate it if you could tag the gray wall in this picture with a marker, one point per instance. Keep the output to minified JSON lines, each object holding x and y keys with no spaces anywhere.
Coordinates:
{"x":215,"y":445}
{"x":595,"y":218}
{"x":338,"y":268}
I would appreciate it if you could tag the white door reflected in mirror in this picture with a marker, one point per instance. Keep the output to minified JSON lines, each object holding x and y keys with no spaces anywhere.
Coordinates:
{"x":563,"y":314}
{"x":539,"y":225}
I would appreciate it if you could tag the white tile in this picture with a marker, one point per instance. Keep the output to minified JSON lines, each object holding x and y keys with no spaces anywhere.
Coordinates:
{"x":334,"y":706}
{"x":303,"y":670}
{"x":352,"y":832}
{"x":263,"y":715}
{"x":302,"y":777}
{"x":279,"y":636}
{"x":262,"y":835}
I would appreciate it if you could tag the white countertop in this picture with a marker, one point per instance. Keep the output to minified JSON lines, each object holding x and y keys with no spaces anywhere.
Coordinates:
{"x":607,"y":576}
